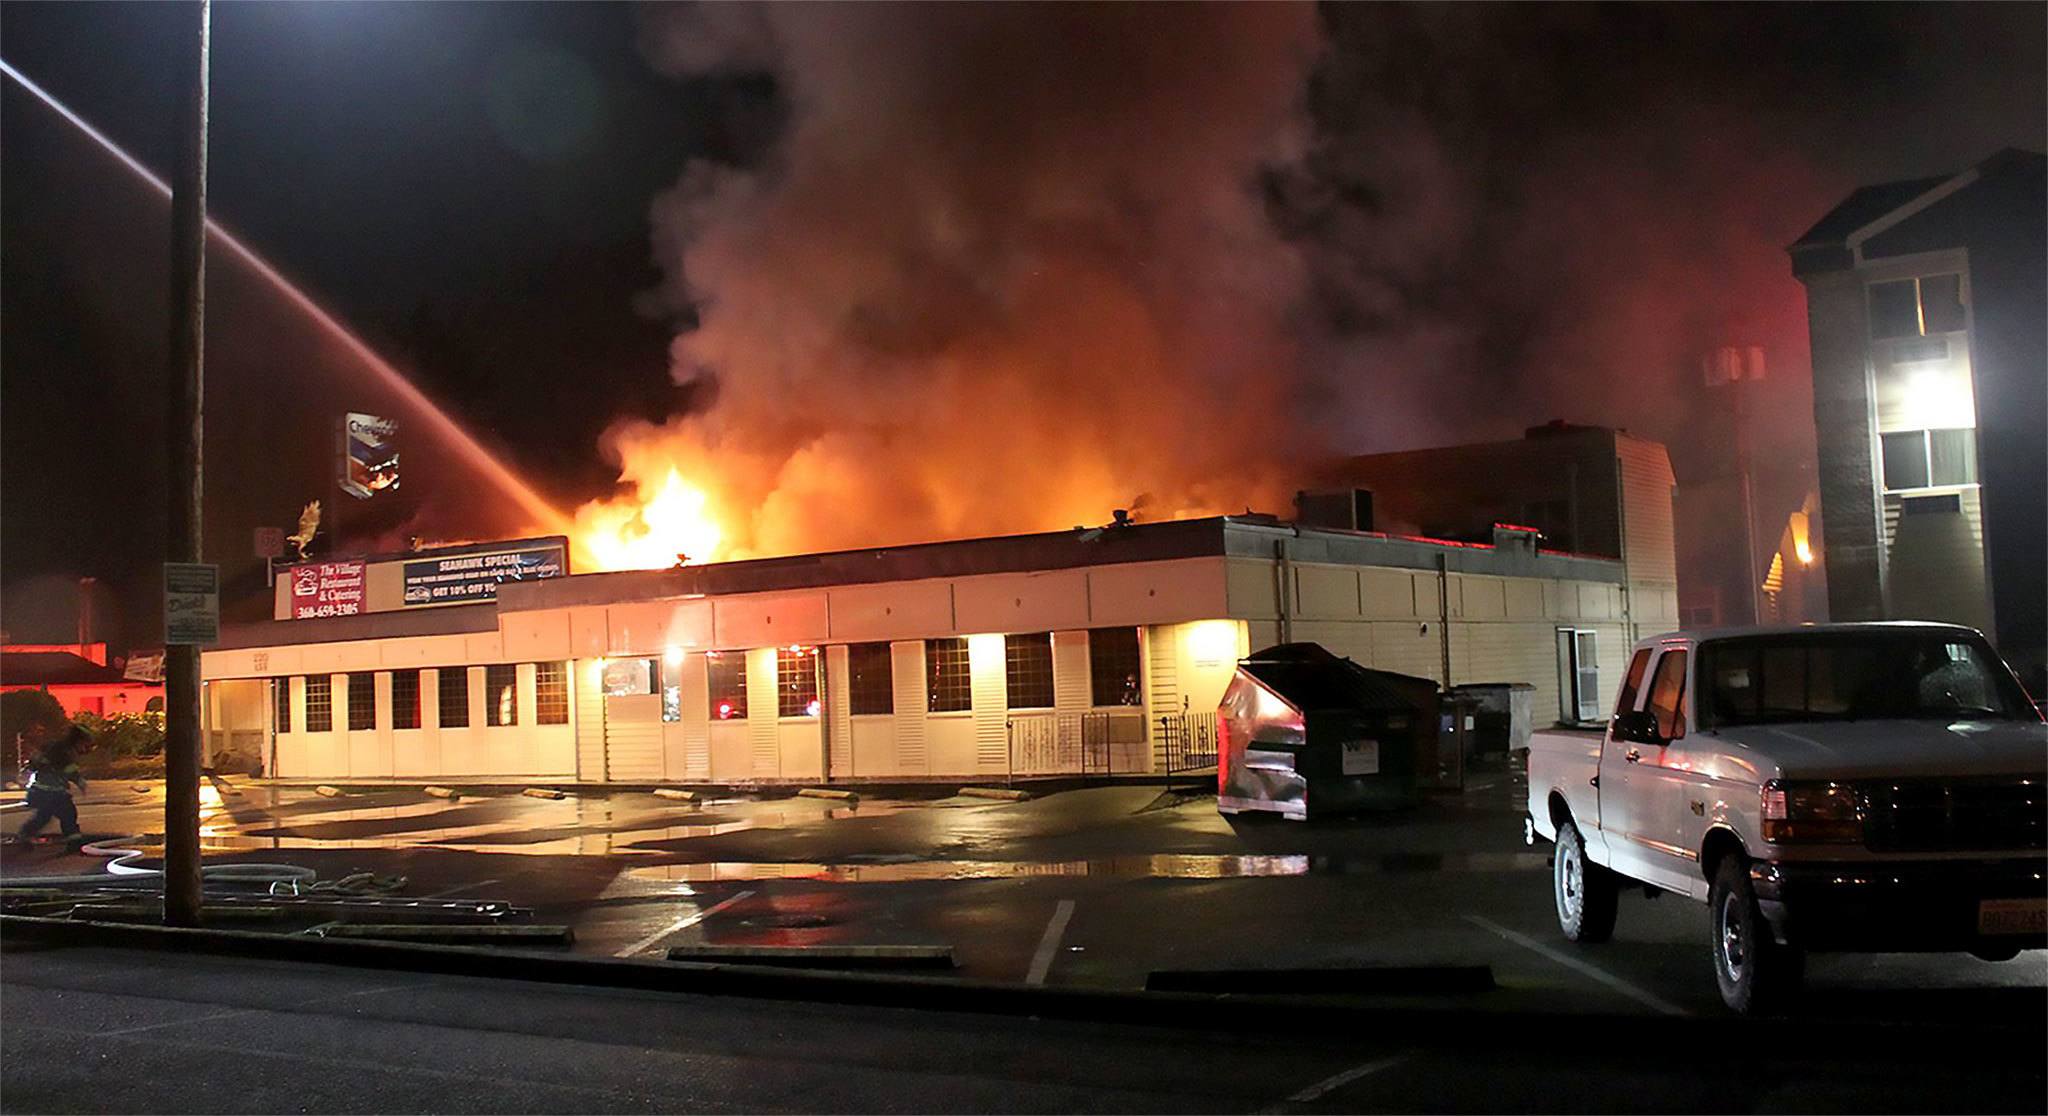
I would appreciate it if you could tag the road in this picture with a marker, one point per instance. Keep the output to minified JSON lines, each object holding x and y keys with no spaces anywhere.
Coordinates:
{"x":1092,"y":887}
{"x":92,"y":1029}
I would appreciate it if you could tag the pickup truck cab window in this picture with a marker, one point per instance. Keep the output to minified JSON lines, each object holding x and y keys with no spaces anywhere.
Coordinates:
{"x":1632,"y":683}
{"x":1667,"y":695}
{"x":1913,"y":675}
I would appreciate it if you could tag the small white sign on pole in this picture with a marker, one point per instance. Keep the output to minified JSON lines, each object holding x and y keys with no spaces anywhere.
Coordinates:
{"x":191,"y":603}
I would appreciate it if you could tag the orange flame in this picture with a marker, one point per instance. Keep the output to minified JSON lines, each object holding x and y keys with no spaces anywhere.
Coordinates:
{"x":660,"y":526}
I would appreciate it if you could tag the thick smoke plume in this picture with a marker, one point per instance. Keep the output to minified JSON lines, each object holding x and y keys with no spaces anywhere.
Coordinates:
{"x":1009,"y":268}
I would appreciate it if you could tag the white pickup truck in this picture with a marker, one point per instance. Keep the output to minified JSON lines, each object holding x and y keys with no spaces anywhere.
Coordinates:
{"x":1835,"y":787}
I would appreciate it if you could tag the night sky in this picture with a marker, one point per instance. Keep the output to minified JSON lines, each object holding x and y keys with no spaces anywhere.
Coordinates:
{"x":472,"y":186}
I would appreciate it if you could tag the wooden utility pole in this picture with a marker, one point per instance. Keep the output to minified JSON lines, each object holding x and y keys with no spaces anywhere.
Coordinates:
{"x":186,"y":361}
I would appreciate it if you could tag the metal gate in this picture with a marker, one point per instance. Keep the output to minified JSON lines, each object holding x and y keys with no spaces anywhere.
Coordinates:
{"x":1085,"y":744}
{"x":1189,"y":741}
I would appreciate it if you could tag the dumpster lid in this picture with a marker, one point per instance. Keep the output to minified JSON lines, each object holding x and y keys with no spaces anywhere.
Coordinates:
{"x":1310,"y":677}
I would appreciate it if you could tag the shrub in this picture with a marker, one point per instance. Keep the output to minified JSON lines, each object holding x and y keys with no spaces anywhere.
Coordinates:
{"x":124,"y":734}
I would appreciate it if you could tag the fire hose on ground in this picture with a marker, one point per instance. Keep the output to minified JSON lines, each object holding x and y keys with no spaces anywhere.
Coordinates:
{"x":279,"y":879}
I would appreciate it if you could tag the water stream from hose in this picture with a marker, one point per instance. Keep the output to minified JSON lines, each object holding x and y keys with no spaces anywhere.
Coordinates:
{"x":544,"y":514}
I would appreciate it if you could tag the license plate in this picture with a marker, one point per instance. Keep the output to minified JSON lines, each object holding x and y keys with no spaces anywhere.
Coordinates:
{"x":2012,"y":916}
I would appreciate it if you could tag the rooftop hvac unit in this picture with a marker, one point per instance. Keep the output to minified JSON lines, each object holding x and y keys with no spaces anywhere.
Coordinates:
{"x":1346,"y":509}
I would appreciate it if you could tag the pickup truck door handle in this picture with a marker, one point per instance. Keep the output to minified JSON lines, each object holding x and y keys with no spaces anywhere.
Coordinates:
{"x":1633,"y":756}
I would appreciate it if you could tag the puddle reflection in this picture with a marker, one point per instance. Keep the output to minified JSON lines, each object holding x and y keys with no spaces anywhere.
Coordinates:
{"x":1154,"y":866}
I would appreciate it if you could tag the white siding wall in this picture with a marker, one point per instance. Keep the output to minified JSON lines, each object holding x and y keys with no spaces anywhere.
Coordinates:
{"x":1500,"y":629}
{"x":913,"y":751}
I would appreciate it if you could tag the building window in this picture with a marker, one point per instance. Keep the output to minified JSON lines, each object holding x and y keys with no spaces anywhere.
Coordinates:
{"x":870,"y":679}
{"x":1918,"y":307}
{"x":949,"y":684}
{"x":551,"y":693}
{"x":1578,"y":675}
{"x":1027,"y":670}
{"x":796,"y":682}
{"x":405,"y":699}
{"x":1929,"y":459}
{"x":319,"y":703}
{"x":280,"y":703}
{"x":630,"y":676}
{"x":1113,"y":670}
{"x":671,"y":699}
{"x":454,"y":695}
{"x":727,"y":674}
{"x":501,"y":695}
{"x":362,"y":702}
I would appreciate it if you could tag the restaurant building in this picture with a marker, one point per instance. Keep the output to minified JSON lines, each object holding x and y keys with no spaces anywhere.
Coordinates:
{"x":1091,"y":651}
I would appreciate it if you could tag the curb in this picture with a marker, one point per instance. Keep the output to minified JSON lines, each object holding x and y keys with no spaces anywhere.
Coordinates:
{"x":1367,"y":980}
{"x":513,"y":934}
{"x":1003,"y":794}
{"x":1683,"y":1037}
{"x":821,"y":957}
{"x":828,"y":792}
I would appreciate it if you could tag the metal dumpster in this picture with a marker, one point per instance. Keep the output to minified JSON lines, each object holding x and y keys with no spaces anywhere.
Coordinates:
{"x":1503,"y":716}
{"x":1304,"y":732}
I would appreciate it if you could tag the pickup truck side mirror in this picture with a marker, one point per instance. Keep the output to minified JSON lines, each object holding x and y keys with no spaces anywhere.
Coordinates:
{"x":1637,"y":726}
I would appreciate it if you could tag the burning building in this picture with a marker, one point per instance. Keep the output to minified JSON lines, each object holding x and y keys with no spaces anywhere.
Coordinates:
{"x":1087,"y":651}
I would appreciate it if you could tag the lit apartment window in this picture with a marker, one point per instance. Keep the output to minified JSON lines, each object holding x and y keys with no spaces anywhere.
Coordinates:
{"x":501,"y":694}
{"x":319,"y":703}
{"x":796,"y":682}
{"x":727,"y":674}
{"x":405,"y":699}
{"x":454,"y":697}
{"x":1113,"y":667}
{"x":281,"y":702}
{"x":870,"y":679}
{"x":949,"y":685}
{"x":1929,"y":459}
{"x":1027,"y":670}
{"x":1916,"y":307}
{"x":551,"y":693}
{"x":362,"y":702}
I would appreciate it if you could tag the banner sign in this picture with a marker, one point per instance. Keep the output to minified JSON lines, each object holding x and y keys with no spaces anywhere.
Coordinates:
{"x":144,"y":666}
{"x":326,"y":589}
{"x":191,"y":604}
{"x":369,"y":455}
{"x":468,"y":578}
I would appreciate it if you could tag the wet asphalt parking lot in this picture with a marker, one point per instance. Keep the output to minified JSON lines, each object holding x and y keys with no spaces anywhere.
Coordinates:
{"x":1098,"y":886}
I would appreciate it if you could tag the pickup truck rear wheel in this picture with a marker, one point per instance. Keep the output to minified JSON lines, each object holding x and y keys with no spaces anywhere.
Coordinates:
{"x":1755,"y":973}
{"x":1586,"y":893}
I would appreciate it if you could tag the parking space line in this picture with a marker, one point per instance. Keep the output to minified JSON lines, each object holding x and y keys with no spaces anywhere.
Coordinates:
{"x":232,"y":1012}
{"x":1337,"y":1081}
{"x":1648,"y":999}
{"x":459,"y":888}
{"x":683,"y":923}
{"x":1041,"y":961}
